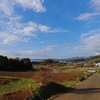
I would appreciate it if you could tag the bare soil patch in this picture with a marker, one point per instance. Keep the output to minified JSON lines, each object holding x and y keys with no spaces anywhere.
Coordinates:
{"x":19,"y":95}
{"x":56,"y":77}
{"x":6,"y":80}
{"x":60,"y":77}
{"x":17,"y":74}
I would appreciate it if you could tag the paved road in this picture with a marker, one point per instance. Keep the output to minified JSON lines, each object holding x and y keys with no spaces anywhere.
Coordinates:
{"x":87,"y":90}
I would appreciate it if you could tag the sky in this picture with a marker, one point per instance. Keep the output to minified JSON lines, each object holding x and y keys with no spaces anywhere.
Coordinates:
{"x":39,"y":29}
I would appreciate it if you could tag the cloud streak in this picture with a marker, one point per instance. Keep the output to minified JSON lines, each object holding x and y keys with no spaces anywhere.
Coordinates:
{"x":42,"y":53}
{"x":87,"y":16}
{"x":7,"y":6}
{"x":90,"y":40}
{"x":35,"y":5}
{"x":14,"y":31}
{"x":95,"y":5}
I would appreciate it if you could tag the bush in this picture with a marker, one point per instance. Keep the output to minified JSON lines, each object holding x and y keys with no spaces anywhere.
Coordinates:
{"x":87,"y":75}
{"x":80,"y":79}
{"x":45,"y":92}
{"x":98,"y":71}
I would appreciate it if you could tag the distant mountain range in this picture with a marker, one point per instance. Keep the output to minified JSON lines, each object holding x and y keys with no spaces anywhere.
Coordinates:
{"x":61,"y":60}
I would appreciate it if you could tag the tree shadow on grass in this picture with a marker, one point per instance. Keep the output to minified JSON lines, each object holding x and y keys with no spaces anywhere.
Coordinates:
{"x":45,"y":92}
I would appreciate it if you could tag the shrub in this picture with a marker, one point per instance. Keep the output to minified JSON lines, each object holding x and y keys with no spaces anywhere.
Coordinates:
{"x":44,"y":92}
{"x":80,"y":79}
{"x":98,"y":71}
{"x":43,"y":76}
{"x":87,"y":75}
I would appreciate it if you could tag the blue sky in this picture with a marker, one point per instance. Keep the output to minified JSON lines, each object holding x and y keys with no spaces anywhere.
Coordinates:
{"x":49,"y":28}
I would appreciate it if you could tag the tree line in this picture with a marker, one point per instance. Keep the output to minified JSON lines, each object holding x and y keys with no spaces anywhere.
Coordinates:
{"x":15,"y":64}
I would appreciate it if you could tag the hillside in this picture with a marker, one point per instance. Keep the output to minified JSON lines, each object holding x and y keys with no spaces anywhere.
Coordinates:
{"x":94,"y":59}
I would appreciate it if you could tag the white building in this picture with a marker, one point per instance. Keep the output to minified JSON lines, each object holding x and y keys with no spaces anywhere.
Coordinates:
{"x":98,"y":64}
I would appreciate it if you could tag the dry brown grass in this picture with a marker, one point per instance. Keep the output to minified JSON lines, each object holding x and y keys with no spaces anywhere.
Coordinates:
{"x":76,"y":70}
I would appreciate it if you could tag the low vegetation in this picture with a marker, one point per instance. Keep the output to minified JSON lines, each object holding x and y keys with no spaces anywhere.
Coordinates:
{"x":94,"y":59}
{"x":45,"y":92}
{"x":51,"y":77}
{"x":68,"y":84}
{"x":17,"y":84}
{"x":80,"y":79}
{"x":61,"y":82}
{"x":52,"y":88}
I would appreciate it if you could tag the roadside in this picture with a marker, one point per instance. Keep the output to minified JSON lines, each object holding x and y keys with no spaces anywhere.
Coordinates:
{"x":89,"y":89}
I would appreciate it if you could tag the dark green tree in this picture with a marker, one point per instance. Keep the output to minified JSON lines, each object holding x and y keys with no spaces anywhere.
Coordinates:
{"x":48,"y":61}
{"x":3,"y":62}
{"x":14,"y":64}
{"x":26,"y":64}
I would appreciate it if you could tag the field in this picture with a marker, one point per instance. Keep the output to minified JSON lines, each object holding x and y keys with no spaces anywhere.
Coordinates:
{"x":67,"y":69}
{"x":20,"y":85}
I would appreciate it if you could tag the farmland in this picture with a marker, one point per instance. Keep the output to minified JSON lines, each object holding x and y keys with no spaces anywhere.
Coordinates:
{"x":12,"y":87}
{"x":16,"y":84}
{"x":22,"y":84}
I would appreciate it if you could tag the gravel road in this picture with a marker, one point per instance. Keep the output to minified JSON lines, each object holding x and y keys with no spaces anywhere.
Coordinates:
{"x":86,"y":90}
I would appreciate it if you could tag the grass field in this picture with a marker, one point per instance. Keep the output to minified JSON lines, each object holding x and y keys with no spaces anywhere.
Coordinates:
{"x":68,"y":83}
{"x":20,"y":84}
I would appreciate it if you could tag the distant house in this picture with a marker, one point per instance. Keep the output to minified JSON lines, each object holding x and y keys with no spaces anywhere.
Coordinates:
{"x":98,"y":64}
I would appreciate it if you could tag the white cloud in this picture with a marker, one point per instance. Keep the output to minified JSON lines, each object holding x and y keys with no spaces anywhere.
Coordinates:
{"x":36,"y":5}
{"x":6,"y":7}
{"x":26,"y":29}
{"x":90,"y":40}
{"x":48,"y":48}
{"x":46,"y":29}
{"x":95,"y":4}
{"x":42,"y":42}
{"x":87,"y":16}
{"x":91,"y":32}
{"x":97,"y":53}
{"x":12,"y":30}
{"x":42,"y":53}
{"x":10,"y":39}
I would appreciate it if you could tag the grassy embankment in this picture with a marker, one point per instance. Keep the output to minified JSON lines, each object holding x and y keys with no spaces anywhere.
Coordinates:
{"x":17,"y":85}
{"x":27,"y":84}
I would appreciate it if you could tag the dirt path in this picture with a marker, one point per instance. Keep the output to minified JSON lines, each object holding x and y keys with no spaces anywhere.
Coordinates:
{"x":87,"y":90}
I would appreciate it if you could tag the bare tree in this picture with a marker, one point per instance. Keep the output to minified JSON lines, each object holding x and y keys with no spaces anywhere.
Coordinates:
{"x":43,"y":76}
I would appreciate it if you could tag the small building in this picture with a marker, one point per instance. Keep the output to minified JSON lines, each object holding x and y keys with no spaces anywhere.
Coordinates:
{"x":98,"y":64}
